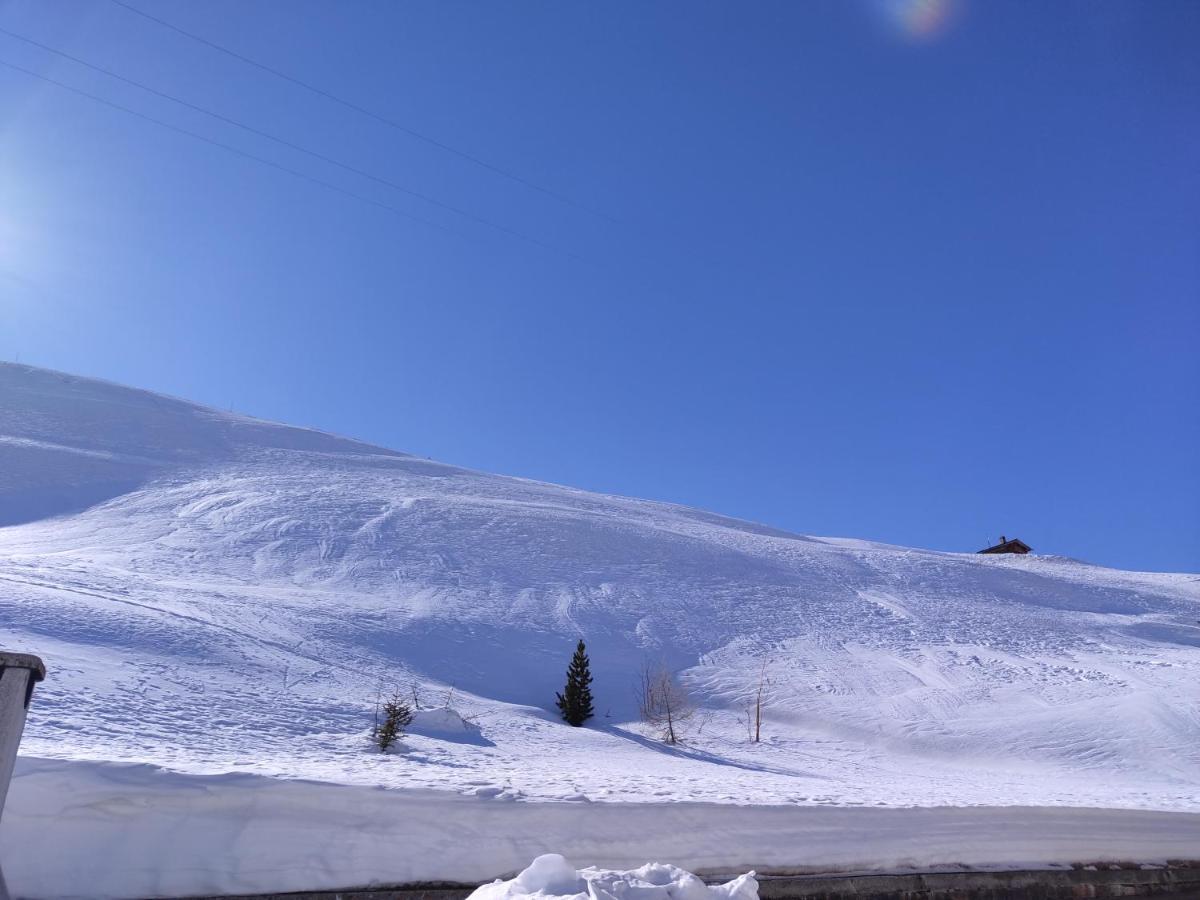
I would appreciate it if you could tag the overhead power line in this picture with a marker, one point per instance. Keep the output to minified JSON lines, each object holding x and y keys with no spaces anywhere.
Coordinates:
{"x":231,"y":149}
{"x":358,"y":108}
{"x":284,"y":142}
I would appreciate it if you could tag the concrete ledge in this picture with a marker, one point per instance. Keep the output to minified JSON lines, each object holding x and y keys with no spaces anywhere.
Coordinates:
{"x":399,"y":892}
{"x":1044,"y":884}
{"x":1181,"y":880}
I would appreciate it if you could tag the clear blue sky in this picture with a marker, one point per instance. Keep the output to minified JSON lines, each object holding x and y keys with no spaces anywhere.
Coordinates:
{"x":912,"y":272}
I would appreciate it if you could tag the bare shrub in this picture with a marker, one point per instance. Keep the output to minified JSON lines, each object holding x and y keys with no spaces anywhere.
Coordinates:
{"x":752,"y":708}
{"x":663,"y":703}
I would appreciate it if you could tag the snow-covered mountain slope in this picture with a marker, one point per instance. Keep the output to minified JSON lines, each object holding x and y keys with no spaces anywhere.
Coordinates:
{"x":213,"y":593}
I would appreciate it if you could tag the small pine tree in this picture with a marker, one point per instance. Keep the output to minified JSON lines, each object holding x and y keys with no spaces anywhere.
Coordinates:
{"x":575,"y":702}
{"x":397,"y":715}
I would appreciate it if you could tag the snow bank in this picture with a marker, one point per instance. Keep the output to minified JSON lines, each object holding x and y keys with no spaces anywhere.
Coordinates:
{"x":551,"y":876}
{"x":100,"y":830}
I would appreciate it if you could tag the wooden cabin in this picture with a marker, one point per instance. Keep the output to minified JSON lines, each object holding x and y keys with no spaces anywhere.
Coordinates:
{"x":1008,"y":545}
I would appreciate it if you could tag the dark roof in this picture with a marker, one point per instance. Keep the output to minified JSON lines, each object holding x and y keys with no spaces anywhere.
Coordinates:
{"x":1011,"y":545}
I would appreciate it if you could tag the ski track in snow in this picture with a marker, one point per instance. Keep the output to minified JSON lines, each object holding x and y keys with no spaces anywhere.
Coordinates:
{"x":214,"y":594}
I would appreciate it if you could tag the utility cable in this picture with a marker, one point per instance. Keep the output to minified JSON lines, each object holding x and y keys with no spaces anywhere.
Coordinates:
{"x":234,"y":150}
{"x":362,"y":110}
{"x":284,"y":142}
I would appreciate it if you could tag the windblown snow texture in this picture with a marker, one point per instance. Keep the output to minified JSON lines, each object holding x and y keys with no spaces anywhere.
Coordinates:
{"x":215,"y":592}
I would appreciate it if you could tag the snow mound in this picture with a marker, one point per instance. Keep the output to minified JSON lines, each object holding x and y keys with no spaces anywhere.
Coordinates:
{"x":551,"y":876}
{"x":441,"y":720}
{"x":447,"y":724}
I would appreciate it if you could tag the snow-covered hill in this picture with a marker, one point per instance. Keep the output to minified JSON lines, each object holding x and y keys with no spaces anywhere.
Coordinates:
{"x":214,"y":593}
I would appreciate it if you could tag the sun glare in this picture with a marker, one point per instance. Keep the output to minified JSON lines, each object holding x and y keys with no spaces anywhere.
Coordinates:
{"x":918,"y":20}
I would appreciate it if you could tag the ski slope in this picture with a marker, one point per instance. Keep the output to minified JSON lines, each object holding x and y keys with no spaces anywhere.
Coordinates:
{"x":215,"y":594}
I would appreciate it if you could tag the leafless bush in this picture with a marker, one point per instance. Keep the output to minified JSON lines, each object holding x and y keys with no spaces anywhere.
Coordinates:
{"x":663,"y":703}
{"x":752,"y":708}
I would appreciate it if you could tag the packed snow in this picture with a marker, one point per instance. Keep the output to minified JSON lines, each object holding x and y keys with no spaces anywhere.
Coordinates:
{"x":84,"y":830}
{"x":216,"y":595}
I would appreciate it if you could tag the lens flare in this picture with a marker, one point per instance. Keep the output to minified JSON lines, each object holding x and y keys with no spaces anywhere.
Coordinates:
{"x":918,"y":20}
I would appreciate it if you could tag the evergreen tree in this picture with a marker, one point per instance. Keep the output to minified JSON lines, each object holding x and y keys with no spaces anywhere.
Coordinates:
{"x":575,"y":702}
{"x":397,"y":715}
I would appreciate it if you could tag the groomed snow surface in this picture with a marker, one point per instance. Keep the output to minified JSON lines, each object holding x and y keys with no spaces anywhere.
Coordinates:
{"x":91,"y":830}
{"x":219,"y":600}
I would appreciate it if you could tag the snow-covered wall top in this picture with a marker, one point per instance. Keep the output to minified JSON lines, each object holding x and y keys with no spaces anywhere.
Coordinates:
{"x":212,"y":591}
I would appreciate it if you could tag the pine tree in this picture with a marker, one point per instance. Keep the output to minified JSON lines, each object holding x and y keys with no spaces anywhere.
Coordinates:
{"x":575,"y":702}
{"x":397,"y":715}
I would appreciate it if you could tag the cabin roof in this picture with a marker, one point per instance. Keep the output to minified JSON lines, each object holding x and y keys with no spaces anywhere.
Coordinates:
{"x":1008,"y":545}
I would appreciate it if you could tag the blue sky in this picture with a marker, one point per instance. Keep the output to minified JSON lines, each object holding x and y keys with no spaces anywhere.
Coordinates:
{"x":921,"y":280}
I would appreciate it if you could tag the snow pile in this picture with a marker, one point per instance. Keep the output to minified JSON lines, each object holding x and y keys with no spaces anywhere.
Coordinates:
{"x":441,"y":720}
{"x":551,"y":876}
{"x":447,"y":724}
